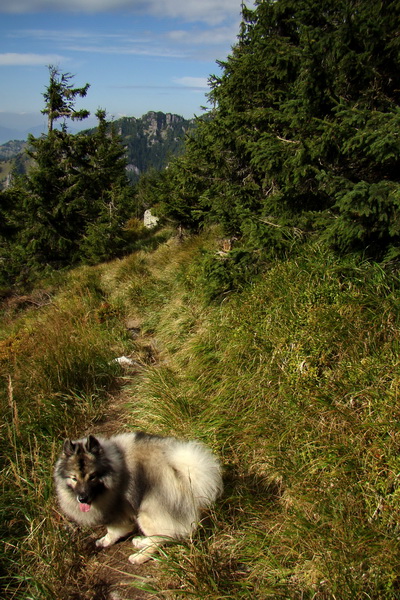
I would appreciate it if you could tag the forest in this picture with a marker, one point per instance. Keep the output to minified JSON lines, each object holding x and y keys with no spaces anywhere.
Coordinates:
{"x":263,"y":312}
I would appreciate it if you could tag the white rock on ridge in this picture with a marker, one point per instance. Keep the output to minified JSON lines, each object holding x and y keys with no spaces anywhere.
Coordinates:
{"x":149,"y":220}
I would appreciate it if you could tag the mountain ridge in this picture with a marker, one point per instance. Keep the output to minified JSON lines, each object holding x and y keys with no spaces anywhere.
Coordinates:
{"x":150,"y":141}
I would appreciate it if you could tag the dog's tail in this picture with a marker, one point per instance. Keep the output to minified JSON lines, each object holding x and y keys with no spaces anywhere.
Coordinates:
{"x":201,"y":470}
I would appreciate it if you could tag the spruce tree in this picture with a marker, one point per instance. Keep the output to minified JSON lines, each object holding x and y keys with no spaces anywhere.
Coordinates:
{"x":75,"y":198}
{"x":60,"y":98}
{"x":107,"y":192}
{"x":302,"y":137}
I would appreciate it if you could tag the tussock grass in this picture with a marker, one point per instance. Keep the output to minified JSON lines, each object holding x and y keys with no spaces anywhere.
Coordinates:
{"x":293,"y":381}
{"x":56,"y":373}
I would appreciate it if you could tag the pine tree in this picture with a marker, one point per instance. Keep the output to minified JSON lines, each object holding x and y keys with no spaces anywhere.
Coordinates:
{"x":54,"y":207}
{"x":303,"y":131}
{"x":60,"y":98}
{"x":108,"y":192}
{"x":76,"y":197}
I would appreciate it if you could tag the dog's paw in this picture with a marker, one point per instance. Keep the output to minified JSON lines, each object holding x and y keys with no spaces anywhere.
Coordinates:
{"x":103,"y":542}
{"x":147,"y":548}
{"x":139,"y":558}
{"x":140,"y":543}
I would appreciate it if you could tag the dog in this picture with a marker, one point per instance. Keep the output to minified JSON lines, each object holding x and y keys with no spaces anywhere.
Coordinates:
{"x":160,"y":484}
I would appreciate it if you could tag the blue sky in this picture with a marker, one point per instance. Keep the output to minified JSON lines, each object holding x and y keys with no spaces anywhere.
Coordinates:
{"x":137,"y":55}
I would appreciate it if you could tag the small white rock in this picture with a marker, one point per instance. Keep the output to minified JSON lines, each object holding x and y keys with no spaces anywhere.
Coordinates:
{"x":124,"y":360}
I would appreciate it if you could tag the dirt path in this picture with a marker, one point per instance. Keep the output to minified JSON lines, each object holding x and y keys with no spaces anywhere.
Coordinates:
{"x":107,"y":574}
{"x":108,"y":571}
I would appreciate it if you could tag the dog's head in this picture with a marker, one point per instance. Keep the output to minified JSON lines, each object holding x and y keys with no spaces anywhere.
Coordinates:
{"x":83,"y":467}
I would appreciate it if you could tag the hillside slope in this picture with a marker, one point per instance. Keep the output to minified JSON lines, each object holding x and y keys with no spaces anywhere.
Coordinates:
{"x":293,"y":381}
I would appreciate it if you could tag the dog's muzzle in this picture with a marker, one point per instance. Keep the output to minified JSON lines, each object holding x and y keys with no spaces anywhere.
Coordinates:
{"x":83,"y":498}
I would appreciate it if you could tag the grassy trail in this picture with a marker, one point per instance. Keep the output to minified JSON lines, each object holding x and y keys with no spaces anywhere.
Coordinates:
{"x":293,"y":381}
{"x":106,"y":574}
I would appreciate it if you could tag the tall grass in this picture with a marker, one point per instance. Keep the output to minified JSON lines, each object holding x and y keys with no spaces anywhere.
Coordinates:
{"x":57,"y":372}
{"x":294,"y":383}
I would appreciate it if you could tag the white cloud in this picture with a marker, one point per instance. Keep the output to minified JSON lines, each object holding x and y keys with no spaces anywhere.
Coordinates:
{"x":207,"y":11}
{"x":104,"y":43}
{"x":127,"y":49}
{"x":70,"y":36}
{"x":198,"y":43}
{"x":196,"y":83}
{"x":209,"y":37}
{"x":14,"y":59}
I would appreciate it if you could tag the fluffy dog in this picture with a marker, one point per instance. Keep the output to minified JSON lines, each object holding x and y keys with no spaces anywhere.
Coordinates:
{"x":160,"y":483}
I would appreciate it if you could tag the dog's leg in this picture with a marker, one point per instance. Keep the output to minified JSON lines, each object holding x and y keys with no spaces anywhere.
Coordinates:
{"x":114,"y":533}
{"x":147,"y":547}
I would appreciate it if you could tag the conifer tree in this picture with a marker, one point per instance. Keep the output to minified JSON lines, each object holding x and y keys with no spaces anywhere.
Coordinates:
{"x":76,"y":195}
{"x":12,"y":255}
{"x":108,"y":192}
{"x":60,"y":98}
{"x":303,"y":131}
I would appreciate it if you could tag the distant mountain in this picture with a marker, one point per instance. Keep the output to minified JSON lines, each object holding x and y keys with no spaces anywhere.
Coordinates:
{"x":11,"y":149}
{"x":8,"y":133}
{"x":12,"y":159}
{"x":151,"y":141}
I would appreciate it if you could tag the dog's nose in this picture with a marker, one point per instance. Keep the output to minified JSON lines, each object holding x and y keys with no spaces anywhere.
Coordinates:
{"x":83,"y":498}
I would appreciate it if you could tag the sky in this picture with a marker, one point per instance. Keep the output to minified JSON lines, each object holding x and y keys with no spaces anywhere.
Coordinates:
{"x":137,"y":55}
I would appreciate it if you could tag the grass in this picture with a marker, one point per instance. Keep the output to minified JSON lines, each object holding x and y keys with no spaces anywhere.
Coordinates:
{"x":293,"y":381}
{"x":57,"y":371}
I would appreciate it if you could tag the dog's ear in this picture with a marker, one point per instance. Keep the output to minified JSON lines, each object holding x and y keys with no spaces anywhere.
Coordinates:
{"x":93,"y":445}
{"x":69,"y":448}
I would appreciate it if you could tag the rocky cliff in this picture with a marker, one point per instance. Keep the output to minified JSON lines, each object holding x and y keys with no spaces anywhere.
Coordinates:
{"x":151,"y":141}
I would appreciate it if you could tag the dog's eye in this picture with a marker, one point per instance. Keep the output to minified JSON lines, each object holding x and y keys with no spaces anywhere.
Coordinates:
{"x":92,"y":476}
{"x":73,"y":478}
